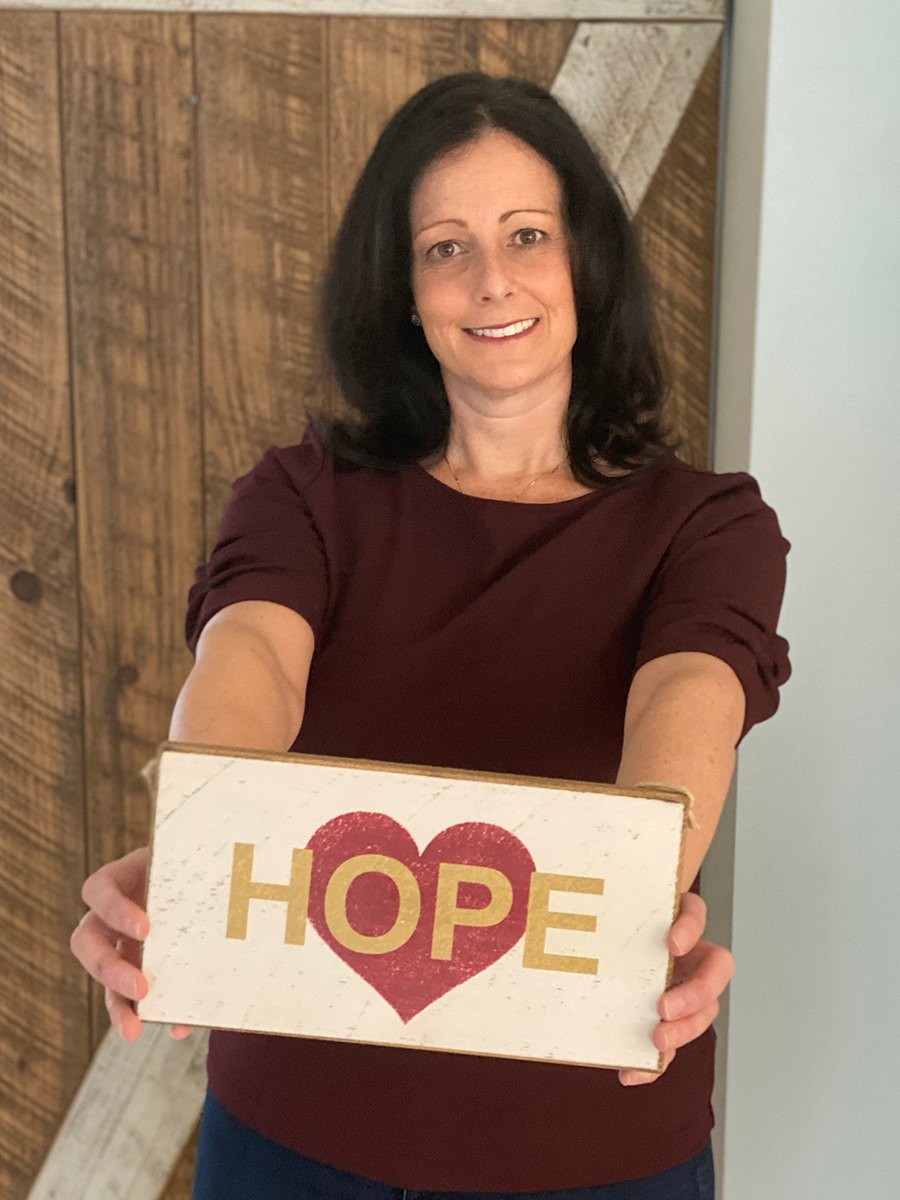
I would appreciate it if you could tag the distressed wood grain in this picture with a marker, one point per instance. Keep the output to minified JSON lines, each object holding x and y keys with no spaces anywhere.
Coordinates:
{"x":44,"y":1045}
{"x":530,"y":49}
{"x":132,"y":267}
{"x":373,"y":67}
{"x":607,"y":10}
{"x":262,"y":112}
{"x":133,"y":1112}
{"x":628,"y":86}
{"x":677,"y":227}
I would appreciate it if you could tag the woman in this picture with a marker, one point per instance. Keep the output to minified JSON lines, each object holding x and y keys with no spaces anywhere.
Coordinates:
{"x":496,"y":563}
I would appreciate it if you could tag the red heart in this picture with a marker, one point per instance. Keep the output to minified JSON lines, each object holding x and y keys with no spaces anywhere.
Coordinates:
{"x":408,"y":977}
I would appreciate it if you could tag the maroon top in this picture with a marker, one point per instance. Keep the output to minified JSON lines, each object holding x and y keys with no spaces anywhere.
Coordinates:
{"x":463,"y":632}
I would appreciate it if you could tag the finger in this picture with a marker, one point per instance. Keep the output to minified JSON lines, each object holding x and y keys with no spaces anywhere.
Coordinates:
{"x":94,"y":945}
{"x":670,"y":1036}
{"x":130,"y":951}
{"x":102,"y":893}
{"x":123,"y":1016}
{"x":632,"y":1078}
{"x":710,"y":969}
{"x":131,"y":870}
{"x":113,"y":893}
{"x":688,"y":926}
{"x":129,"y":873}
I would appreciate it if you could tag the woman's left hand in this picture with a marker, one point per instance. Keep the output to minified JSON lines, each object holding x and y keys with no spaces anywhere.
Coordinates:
{"x":702,"y":973}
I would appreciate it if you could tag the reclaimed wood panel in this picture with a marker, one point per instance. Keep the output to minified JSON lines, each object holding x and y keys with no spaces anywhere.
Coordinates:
{"x":677,"y":226}
{"x":198,"y":211}
{"x":530,"y":49}
{"x":627,"y":87}
{"x":44,"y":1044}
{"x":607,"y":10}
{"x":132,"y":267}
{"x":262,"y":111}
{"x":373,"y":67}
{"x":127,"y":1122}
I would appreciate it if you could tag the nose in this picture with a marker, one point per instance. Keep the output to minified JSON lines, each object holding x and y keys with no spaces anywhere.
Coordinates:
{"x":494,"y":278}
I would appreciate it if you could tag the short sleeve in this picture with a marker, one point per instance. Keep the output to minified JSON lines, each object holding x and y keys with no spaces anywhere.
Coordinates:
{"x":267,"y":547}
{"x":719,"y":591}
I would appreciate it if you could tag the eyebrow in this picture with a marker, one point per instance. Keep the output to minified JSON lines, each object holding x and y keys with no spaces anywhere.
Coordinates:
{"x":505,"y":217}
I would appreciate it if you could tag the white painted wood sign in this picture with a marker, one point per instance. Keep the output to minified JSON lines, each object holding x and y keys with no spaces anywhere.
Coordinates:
{"x":410,"y":906}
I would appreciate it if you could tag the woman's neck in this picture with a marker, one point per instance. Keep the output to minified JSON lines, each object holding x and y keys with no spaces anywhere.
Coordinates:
{"x":505,"y":439}
{"x":517,"y":454}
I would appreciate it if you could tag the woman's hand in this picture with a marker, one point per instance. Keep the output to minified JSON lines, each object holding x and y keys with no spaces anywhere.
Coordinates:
{"x":702,"y":972}
{"x":107,"y":939}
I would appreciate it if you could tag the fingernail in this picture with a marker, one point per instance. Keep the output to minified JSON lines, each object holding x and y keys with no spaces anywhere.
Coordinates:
{"x":677,"y":943}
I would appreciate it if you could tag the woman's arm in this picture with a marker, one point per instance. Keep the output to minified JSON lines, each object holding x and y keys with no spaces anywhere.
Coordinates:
{"x":684,"y":716}
{"x":246,"y":691}
{"x":683,"y":719}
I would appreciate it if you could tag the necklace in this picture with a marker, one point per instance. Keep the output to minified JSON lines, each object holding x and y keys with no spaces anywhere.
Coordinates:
{"x":518,"y":495}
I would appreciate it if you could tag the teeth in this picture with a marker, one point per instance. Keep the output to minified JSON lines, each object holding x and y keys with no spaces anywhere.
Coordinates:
{"x":507,"y":330}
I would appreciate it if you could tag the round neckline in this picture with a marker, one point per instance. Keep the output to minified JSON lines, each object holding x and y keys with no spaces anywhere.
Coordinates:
{"x":545,"y":504}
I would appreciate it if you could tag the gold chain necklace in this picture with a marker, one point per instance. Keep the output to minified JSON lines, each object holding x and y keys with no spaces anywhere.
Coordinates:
{"x":518,"y":496}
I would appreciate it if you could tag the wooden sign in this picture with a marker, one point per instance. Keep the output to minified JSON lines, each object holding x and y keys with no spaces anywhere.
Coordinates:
{"x":409,"y":906}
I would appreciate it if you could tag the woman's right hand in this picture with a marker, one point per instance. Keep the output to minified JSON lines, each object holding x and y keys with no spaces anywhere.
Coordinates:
{"x":107,"y":939}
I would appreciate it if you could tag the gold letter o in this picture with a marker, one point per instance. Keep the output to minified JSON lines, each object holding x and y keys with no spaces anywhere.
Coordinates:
{"x":410,"y":903}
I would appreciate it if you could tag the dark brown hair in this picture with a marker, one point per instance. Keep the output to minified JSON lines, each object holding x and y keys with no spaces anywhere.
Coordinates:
{"x":388,"y":376}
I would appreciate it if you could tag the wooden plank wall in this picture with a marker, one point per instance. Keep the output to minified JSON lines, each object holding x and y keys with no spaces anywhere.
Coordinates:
{"x":677,"y":227}
{"x":44,"y":1033}
{"x":171,"y":183}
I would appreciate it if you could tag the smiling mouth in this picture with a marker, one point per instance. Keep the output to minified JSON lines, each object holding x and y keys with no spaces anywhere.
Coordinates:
{"x":504,"y":333}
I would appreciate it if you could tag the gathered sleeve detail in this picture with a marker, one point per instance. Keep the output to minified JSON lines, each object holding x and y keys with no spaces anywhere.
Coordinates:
{"x":267,"y":546}
{"x":719,"y":590}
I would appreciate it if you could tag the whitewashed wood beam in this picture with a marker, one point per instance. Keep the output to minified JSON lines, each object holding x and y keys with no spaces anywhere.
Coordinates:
{"x":628,"y":86}
{"x":130,"y":1120}
{"x":559,"y":10}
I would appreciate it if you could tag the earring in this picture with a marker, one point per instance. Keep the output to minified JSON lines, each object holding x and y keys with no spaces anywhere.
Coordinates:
{"x":416,"y":319}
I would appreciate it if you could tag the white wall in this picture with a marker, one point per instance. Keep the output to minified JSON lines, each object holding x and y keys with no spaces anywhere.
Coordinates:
{"x":808,"y":399}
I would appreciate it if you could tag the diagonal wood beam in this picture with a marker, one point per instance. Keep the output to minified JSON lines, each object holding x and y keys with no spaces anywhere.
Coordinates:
{"x":130,"y":1119}
{"x":628,"y":86}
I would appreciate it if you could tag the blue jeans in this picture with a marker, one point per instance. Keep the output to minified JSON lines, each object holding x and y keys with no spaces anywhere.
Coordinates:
{"x":236,"y":1163}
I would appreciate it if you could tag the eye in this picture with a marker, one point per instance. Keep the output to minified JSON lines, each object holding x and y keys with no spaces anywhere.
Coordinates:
{"x":532,"y":237}
{"x":438,"y":250}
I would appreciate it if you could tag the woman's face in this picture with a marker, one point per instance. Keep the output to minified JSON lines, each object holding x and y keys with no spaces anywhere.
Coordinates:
{"x":489,"y":250}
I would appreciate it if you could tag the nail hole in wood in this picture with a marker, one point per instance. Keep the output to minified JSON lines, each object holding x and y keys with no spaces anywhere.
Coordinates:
{"x":26,"y":587}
